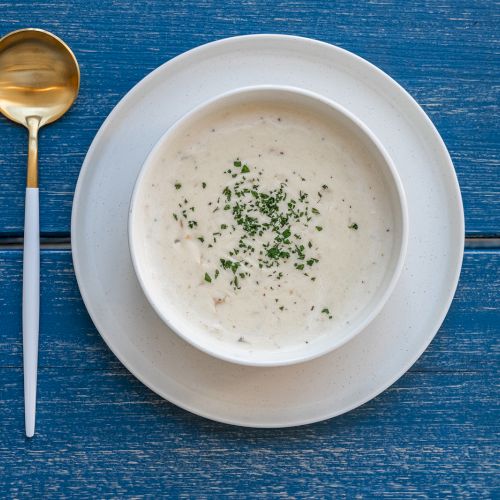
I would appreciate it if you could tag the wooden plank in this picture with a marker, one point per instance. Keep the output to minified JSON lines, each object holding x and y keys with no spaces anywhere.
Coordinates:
{"x":101,"y":433}
{"x":468,"y":339}
{"x":445,"y":52}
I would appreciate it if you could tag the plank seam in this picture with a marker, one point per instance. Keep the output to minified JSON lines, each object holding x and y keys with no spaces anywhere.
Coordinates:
{"x":64,"y":243}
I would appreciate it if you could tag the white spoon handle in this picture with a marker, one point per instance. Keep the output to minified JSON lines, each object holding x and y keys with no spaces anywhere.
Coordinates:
{"x":31,"y":305}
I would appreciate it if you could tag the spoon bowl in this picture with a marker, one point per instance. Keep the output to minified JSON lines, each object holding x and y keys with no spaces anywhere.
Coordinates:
{"x":39,"y":76}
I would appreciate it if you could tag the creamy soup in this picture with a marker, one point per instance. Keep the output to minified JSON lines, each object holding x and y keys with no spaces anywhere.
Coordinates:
{"x":266,"y":227}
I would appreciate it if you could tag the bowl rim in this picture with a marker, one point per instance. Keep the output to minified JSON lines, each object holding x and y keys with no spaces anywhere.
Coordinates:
{"x":383,"y":296}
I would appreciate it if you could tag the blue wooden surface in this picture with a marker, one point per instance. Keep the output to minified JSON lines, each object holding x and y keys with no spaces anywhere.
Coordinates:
{"x":100,"y":433}
{"x":444,"y":52}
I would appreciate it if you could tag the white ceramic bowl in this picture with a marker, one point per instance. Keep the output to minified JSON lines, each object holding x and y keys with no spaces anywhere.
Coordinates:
{"x":394,"y":191}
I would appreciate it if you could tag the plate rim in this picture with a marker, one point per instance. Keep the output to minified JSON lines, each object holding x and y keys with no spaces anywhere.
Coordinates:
{"x":85,"y":169}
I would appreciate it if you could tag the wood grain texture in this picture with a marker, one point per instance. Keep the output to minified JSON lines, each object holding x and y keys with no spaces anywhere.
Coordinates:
{"x":468,"y":339}
{"x":444,"y":52}
{"x":102,"y":434}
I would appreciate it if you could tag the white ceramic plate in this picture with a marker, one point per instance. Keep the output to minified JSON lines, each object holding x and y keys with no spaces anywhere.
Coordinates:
{"x":290,"y":395}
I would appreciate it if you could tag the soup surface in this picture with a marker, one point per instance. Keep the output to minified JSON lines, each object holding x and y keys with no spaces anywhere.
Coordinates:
{"x":265,"y":226}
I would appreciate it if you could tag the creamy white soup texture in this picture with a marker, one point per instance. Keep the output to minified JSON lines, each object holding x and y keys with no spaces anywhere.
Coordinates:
{"x":266,"y":226}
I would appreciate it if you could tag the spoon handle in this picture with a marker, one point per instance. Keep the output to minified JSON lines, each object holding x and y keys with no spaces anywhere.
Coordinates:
{"x":31,"y":305}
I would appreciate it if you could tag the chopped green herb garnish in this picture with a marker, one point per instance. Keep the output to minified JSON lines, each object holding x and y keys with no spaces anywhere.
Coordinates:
{"x":266,"y":226}
{"x":354,"y":226}
{"x":327,"y":312}
{"x":178,"y":185}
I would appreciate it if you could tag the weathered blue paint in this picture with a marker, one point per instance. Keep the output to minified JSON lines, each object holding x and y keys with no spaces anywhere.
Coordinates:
{"x":102,"y":434}
{"x":445,"y":52}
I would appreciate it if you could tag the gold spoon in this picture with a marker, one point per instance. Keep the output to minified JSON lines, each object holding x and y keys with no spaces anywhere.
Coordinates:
{"x":39,"y":81}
